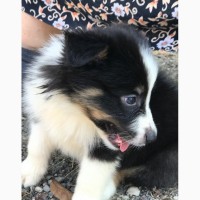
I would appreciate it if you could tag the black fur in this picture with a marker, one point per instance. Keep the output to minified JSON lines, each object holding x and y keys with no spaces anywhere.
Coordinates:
{"x":103,"y":153}
{"x":82,"y":70}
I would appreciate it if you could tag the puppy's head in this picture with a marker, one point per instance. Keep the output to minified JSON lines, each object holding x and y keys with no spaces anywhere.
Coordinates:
{"x":110,"y":73}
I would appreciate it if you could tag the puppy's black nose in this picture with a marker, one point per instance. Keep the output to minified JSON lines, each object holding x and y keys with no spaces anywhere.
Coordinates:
{"x":150,"y":136}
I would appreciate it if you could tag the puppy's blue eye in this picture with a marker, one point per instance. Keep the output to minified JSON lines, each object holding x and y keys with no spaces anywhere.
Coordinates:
{"x":129,"y":100}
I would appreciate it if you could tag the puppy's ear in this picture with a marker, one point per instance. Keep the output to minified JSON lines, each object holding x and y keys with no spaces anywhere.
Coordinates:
{"x":84,"y":47}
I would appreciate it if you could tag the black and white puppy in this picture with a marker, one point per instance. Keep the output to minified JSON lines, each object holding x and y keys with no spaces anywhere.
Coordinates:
{"x":99,"y":97}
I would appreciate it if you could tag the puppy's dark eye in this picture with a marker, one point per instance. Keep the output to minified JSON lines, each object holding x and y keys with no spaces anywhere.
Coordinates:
{"x":129,"y":100}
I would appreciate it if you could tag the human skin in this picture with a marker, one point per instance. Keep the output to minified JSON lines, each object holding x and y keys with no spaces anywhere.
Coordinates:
{"x":35,"y":32}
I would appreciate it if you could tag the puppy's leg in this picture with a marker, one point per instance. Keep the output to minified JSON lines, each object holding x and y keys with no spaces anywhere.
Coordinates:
{"x":39,"y":150}
{"x":94,"y":181}
{"x":110,"y":189}
{"x":160,"y":171}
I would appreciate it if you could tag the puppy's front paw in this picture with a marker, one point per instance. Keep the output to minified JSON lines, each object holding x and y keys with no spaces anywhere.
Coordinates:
{"x":31,"y":172}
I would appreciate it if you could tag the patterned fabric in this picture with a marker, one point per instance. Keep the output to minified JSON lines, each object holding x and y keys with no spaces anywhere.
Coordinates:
{"x":157,"y":19}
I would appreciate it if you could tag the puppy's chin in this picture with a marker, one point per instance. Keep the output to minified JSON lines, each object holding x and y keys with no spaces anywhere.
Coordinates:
{"x":138,"y":142}
{"x":141,"y":140}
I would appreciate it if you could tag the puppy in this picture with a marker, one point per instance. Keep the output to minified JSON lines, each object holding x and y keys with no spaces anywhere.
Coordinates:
{"x":99,"y":97}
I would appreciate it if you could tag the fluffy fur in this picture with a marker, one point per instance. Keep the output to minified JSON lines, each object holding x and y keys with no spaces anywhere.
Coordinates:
{"x":93,"y":94}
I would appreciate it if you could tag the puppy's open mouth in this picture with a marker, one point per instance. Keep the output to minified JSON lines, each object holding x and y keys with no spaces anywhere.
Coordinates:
{"x":113,"y":135}
{"x":118,"y":141}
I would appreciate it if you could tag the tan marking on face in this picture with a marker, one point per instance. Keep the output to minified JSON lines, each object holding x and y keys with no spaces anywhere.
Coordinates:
{"x":83,"y":99}
{"x":139,"y":89}
{"x":90,"y":92}
{"x":90,"y":107}
{"x":98,"y":114}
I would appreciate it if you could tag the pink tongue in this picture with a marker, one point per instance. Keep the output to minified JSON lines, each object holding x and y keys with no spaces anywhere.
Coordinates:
{"x":123,"y":145}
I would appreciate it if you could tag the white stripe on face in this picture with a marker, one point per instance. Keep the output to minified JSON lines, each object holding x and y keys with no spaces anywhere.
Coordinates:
{"x":152,"y":71}
{"x":145,"y":121}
